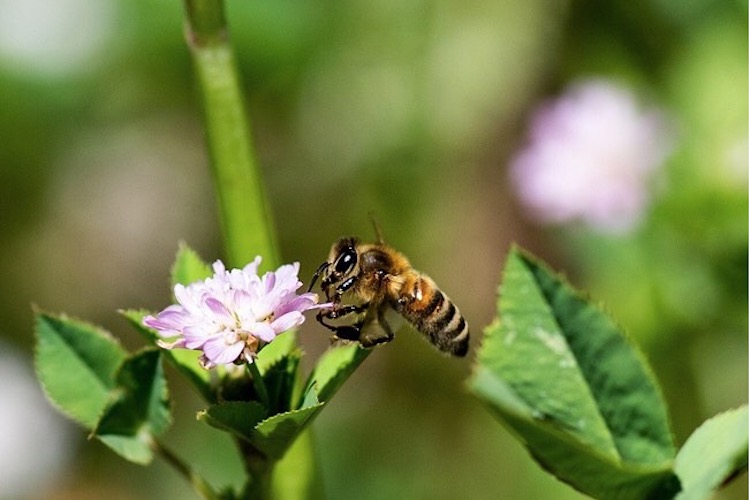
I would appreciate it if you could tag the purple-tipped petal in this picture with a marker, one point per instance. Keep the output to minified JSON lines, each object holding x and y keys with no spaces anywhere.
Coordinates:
{"x":168,"y":322}
{"x":218,"y":308}
{"x":299,"y":303}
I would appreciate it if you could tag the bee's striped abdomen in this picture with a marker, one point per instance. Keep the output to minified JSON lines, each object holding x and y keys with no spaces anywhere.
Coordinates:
{"x":433,"y":313}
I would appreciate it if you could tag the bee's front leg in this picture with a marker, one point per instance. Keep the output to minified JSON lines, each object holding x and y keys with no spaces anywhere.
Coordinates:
{"x":339,"y":312}
{"x":345,"y":332}
{"x":344,"y":287}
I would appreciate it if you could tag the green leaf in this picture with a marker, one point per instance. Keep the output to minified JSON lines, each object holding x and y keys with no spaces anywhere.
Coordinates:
{"x":714,"y":454}
{"x":278,"y":363}
{"x":562,"y":375}
{"x":334,"y":368}
{"x":237,"y":417}
{"x":140,"y":410}
{"x":188,"y":266}
{"x":274,"y":435}
{"x":76,"y":365}
{"x":246,"y":419}
{"x":561,"y":454}
{"x":184,"y":360}
{"x":281,"y":380}
{"x":281,"y":347}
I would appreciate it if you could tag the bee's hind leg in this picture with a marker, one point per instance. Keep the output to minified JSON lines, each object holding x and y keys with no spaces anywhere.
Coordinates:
{"x":368,"y":331}
{"x":343,"y":332}
{"x":348,"y":332}
{"x":378,"y":332}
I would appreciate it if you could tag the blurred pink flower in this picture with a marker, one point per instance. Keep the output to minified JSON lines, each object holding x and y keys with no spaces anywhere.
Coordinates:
{"x":591,"y":155}
{"x":232,"y":314}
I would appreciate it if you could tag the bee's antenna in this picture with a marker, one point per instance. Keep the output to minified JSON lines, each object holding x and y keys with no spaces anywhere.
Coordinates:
{"x":319,"y":271}
{"x":377,"y":229}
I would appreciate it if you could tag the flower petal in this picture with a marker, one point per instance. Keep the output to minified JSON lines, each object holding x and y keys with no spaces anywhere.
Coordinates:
{"x":263,"y":331}
{"x":287,"y":321}
{"x":219,"y":268}
{"x":171,"y":345}
{"x":217,"y":350}
{"x":218,"y":308}
{"x":196,"y":336}
{"x":168,"y":321}
{"x":299,"y":303}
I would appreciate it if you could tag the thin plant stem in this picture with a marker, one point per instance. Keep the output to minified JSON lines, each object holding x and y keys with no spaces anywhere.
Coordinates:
{"x":199,"y":484}
{"x":259,"y":384}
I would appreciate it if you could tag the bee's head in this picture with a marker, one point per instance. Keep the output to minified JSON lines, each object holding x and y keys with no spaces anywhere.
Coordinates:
{"x":342,"y":263}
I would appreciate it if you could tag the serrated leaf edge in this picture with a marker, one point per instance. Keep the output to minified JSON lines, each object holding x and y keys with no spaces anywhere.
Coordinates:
{"x":35,"y":352}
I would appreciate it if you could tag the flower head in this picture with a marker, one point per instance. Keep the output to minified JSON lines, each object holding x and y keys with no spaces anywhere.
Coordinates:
{"x":232,"y":314}
{"x":590,"y":157}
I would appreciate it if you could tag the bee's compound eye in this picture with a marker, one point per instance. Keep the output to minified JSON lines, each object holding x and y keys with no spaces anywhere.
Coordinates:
{"x":346,"y":261}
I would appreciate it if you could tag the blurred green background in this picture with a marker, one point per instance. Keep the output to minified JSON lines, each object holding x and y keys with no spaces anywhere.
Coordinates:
{"x":410,"y":110}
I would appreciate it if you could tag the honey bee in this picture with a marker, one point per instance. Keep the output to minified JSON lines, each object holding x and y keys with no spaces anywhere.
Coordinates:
{"x":378,"y":278}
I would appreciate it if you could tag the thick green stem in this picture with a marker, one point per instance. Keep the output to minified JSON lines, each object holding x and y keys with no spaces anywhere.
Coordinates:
{"x":243,"y":208}
{"x":260,"y":470}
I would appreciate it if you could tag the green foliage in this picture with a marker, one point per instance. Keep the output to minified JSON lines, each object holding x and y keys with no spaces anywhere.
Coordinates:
{"x":140,"y":410}
{"x":277,"y":433}
{"x":278,"y":365}
{"x":188,"y":266}
{"x":282,"y":346}
{"x":236,"y":417}
{"x":76,"y":364}
{"x":274,"y":435}
{"x":556,"y":370}
{"x":713,"y":454}
{"x":90,"y":378}
{"x":560,"y":374}
{"x":272,"y":430}
{"x":334,"y":368}
{"x":124,"y":398}
{"x":690,"y":58}
{"x":271,"y":436}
